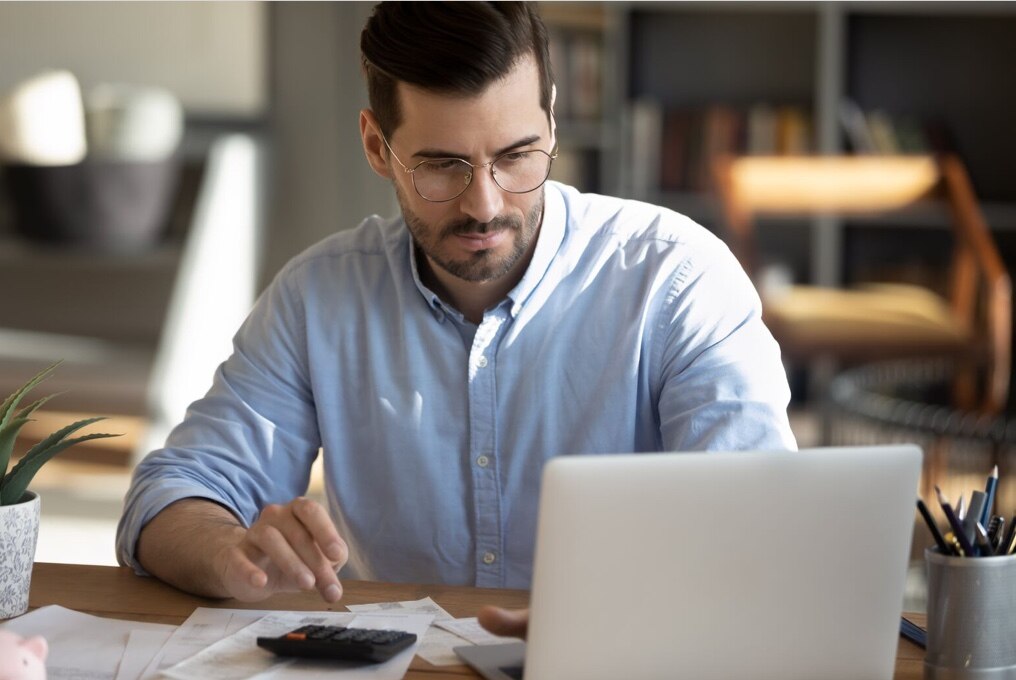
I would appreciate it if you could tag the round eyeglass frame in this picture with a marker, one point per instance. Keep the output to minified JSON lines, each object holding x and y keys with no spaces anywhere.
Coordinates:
{"x":552,"y":155}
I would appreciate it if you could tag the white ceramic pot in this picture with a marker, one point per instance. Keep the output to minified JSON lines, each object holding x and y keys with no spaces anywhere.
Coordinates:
{"x":19,"y":531}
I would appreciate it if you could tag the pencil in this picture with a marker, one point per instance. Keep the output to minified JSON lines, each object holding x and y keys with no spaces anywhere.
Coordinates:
{"x":954,"y":522}
{"x":943,"y":547}
{"x":989,"y":492}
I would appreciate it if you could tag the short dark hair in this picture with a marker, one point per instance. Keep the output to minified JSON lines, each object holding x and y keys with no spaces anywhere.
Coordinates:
{"x":448,"y":47}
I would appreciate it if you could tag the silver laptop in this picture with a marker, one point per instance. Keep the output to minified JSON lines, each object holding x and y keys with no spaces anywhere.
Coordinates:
{"x":717,"y":565}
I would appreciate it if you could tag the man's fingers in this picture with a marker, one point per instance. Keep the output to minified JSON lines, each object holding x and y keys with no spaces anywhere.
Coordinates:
{"x":317,"y":522}
{"x":505,"y":622}
{"x":321,"y":547}
{"x":285,"y":535}
{"x":279,"y":550}
{"x":242,"y":578}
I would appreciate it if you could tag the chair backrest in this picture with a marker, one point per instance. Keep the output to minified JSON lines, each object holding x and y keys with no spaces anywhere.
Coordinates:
{"x":979,"y":285}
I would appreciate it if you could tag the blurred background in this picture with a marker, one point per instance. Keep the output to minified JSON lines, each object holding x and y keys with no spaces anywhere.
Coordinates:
{"x":650,"y":96}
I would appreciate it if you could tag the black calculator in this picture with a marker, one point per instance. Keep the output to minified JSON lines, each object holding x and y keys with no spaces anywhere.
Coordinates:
{"x":339,"y":642}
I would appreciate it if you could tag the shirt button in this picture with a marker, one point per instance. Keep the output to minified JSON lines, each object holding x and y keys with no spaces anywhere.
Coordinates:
{"x":483,"y":461}
{"x":489,"y":557}
{"x":482,"y":362}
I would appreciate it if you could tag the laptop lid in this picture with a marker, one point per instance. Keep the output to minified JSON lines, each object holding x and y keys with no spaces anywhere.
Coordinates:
{"x":722,"y":565}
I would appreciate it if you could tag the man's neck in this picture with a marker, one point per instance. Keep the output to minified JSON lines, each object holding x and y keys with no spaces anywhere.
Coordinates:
{"x":472,"y":298}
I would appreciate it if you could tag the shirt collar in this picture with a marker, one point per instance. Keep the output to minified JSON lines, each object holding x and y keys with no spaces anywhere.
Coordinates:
{"x":547,"y":244}
{"x":433,"y":301}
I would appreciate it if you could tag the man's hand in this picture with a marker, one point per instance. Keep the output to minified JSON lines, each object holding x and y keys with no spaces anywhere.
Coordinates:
{"x":201,"y":547}
{"x":504,"y":622}
{"x":290,"y":547}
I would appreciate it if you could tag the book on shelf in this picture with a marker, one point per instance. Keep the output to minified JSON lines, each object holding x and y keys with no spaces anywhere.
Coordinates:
{"x":575,"y":168}
{"x":646,"y":147}
{"x":576,"y":59}
{"x":673,"y":148}
{"x":761,"y":130}
{"x":877,"y":131}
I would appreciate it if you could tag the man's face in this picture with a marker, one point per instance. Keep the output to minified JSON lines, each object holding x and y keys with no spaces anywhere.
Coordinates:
{"x":484,"y":234}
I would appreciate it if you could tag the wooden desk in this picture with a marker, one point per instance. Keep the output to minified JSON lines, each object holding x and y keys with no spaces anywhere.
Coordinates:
{"x":117,"y":593}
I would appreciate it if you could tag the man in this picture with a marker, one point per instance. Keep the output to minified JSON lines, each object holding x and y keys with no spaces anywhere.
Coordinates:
{"x":439,"y":358}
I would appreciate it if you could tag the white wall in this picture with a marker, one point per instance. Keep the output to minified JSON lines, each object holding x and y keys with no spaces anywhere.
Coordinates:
{"x":320,"y":177}
{"x":212,"y":55}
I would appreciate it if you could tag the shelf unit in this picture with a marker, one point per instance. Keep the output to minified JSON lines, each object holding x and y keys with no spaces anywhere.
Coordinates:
{"x":944,"y":60}
{"x":583,"y":58}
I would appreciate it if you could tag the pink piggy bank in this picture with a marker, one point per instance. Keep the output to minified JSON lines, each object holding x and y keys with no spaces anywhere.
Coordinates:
{"x":22,"y":659}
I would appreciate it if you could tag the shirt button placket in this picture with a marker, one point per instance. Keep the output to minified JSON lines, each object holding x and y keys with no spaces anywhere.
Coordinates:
{"x":482,"y":441}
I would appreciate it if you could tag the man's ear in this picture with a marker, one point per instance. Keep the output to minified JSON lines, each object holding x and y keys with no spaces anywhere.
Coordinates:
{"x":553,"y":118}
{"x":373,"y":146}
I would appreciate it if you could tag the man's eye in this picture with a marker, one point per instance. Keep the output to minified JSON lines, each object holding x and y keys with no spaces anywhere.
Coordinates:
{"x":445,"y":165}
{"x":515,"y":156}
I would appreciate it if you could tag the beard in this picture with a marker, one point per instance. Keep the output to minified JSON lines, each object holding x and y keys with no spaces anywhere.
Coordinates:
{"x":482,"y":265}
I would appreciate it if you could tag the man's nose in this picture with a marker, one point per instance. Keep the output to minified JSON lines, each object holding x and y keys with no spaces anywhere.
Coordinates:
{"x":483,"y":199}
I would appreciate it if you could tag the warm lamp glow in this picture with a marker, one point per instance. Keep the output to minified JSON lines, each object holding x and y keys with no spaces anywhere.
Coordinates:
{"x":855,"y":184}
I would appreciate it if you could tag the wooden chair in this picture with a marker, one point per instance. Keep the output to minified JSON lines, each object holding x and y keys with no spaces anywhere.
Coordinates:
{"x":879,"y":321}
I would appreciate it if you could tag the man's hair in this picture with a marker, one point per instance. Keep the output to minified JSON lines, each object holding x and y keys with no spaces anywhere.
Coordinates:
{"x":457,"y":48}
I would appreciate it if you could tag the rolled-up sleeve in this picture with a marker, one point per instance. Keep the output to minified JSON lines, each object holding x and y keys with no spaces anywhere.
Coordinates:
{"x":250,"y":441}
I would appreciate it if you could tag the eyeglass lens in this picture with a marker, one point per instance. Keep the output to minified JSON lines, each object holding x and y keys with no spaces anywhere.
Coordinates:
{"x":517,"y":173}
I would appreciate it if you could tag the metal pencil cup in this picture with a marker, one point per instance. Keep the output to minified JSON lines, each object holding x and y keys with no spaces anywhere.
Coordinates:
{"x":971,"y":617}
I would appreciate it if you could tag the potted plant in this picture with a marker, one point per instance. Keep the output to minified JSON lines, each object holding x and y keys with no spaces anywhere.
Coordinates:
{"x":19,"y":507}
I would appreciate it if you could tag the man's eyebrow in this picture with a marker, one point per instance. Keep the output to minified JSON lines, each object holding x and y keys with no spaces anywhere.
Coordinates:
{"x":441,"y":153}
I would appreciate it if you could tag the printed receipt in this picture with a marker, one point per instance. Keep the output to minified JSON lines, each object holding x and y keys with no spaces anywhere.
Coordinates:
{"x":238,"y":657}
{"x":436,"y":646}
{"x":446,"y":633}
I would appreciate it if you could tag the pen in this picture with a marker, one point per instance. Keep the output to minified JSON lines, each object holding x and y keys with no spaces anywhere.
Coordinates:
{"x":983,"y":542}
{"x":943,"y":547}
{"x":960,"y":508}
{"x":1005,"y":547}
{"x":913,"y":632}
{"x":989,"y":492}
{"x":995,"y":531}
{"x":956,"y":549}
{"x":966,"y":548}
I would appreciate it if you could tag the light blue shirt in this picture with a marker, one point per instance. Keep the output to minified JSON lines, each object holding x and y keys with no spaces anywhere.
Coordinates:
{"x":633,"y":329}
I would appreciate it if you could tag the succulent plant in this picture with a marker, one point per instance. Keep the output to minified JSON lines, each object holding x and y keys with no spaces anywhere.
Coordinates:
{"x":15,"y":482}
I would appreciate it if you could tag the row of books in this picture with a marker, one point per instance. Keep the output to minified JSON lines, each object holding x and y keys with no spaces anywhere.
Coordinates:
{"x":576,"y":58}
{"x":673,"y":148}
{"x":878,"y":132}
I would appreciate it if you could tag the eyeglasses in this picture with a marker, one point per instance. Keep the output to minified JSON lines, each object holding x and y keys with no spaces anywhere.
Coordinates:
{"x":442,"y":179}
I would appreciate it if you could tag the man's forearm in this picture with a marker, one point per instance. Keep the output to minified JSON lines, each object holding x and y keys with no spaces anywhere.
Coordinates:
{"x":180,"y":543}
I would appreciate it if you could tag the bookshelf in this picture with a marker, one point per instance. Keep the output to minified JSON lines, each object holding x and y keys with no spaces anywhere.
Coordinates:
{"x":943,"y":62}
{"x":583,"y":54}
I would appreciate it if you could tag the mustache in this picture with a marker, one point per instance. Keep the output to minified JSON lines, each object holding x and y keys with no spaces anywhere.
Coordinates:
{"x":468,"y":226}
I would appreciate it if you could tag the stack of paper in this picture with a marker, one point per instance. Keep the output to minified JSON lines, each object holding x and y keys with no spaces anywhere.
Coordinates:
{"x":221,"y":644}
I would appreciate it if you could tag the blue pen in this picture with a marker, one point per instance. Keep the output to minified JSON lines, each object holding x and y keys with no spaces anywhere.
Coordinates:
{"x":989,"y":492}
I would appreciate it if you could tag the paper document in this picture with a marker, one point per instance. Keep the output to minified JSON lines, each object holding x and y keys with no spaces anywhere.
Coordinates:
{"x":204,"y":627}
{"x":471,"y":630}
{"x":426,"y":605}
{"x":142,"y":646}
{"x":81,"y":646}
{"x":436,"y":646}
{"x":238,"y":657}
